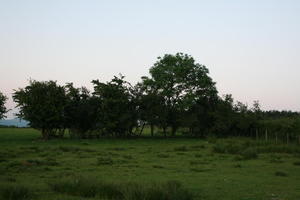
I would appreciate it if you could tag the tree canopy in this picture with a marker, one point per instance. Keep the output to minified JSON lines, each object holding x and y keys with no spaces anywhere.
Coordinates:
{"x":3,"y":109}
{"x":43,"y":105}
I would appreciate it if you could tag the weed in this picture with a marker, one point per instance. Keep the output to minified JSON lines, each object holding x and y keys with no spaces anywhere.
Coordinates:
{"x":219,"y":148}
{"x":86,"y":187}
{"x":158,"y":166}
{"x":279,"y":173}
{"x":197,"y":155}
{"x":180,"y":148}
{"x":297,"y":163}
{"x":200,"y":146}
{"x":199,"y":170}
{"x":77,"y":186}
{"x":15,"y":192}
{"x":118,"y":149}
{"x":129,"y":157}
{"x":163,"y":155}
{"x":249,"y":153}
{"x":237,"y":166}
{"x":104,"y":161}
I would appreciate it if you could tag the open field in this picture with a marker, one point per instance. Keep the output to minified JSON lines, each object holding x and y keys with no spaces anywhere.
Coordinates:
{"x":206,"y":169}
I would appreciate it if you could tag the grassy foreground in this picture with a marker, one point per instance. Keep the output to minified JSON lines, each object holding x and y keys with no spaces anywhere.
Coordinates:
{"x":145,"y":168}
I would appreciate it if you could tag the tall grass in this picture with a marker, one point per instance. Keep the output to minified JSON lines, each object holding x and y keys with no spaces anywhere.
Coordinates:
{"x":90,"y":187}
{"x":15,"y":191}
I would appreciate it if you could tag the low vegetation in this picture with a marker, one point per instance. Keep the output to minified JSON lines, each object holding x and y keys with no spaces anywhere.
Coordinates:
{"x":145,"y":168}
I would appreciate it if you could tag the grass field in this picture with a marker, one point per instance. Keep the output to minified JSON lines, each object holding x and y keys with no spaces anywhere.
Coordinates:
{"x":124,"y":168}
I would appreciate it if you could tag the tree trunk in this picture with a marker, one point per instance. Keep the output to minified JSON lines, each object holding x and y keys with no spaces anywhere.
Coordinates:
{"x":256,"y":134}
{"x":165,"y":131}
{"x":152,"y":129}
{"x":287,"y":138}
{"x":276,"y":138}
{"x":45,"y":134}
{"x":142,"y":129}
{"x":174,"y":129}
{"x":61,"y":133}
{"x":266,"y":135}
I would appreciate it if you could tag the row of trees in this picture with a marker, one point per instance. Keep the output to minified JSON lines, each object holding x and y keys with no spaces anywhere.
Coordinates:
{"x":178,"y":96}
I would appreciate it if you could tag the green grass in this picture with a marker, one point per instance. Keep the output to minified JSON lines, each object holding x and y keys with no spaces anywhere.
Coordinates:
{"x":145,"y":168}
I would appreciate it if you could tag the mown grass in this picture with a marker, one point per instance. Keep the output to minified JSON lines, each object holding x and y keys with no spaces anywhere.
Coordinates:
{"x":145,"y":168}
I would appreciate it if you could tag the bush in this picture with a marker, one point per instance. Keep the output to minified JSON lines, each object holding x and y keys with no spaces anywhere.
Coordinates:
{"x":15,"y":192}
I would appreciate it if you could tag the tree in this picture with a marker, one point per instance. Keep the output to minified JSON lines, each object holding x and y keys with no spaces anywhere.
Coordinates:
{"x":3,"y":109}
{"x":184,"y":85}
{"x":152,"y":109}
{"x":43,"y":105}
{"x":224,"y":116}
{"x":80,"y":111}
{"x":118,"y":110}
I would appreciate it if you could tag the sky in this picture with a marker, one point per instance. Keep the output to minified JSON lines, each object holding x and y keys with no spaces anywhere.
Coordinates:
{"x":251,"y":47}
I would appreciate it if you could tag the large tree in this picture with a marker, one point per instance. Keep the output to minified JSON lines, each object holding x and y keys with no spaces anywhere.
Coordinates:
{"x":3,"y":109}
{"x":43,"y":105}
{"x":185,"y":86}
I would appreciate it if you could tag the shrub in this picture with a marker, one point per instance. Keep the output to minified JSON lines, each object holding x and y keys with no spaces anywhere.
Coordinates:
{"x":15,"y":192}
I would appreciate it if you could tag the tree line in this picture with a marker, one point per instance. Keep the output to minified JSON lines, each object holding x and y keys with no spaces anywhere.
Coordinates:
{"x":179,"y":97}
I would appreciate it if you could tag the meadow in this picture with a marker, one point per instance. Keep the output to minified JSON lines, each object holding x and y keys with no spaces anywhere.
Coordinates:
{"x":146,"y":168}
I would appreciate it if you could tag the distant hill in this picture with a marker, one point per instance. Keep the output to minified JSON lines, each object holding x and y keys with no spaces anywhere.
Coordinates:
{"x":14,"y":122}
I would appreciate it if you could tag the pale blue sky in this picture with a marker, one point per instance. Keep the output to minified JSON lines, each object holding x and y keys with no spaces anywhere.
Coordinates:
{"x":250,"y":47}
